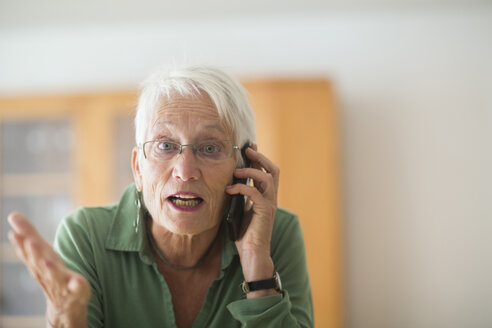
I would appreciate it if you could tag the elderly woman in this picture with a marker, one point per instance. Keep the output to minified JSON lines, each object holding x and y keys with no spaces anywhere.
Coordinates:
{"x":166,"y":255}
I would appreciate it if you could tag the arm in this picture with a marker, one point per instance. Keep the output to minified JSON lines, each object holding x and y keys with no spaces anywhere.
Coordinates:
{"x":255,"y":253}
{"x":293,"y":307}
{"x":254,"y":245}
{"x":67,"y":292}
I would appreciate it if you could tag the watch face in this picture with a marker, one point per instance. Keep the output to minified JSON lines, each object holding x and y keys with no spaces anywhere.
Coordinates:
{"x":245,"y":287}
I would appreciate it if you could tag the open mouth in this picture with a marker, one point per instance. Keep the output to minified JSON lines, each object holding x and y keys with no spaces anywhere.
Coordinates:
{"x":185,"y":201}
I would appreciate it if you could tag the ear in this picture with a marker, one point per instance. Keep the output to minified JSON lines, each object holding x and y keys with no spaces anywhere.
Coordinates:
{"x":137,"y":176}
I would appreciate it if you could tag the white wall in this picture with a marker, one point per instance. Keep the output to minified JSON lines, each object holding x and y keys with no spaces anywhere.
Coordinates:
{"x":415,"y":93}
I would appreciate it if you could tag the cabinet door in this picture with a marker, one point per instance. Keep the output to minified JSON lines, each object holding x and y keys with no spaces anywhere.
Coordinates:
{"x":36,"y":170}
{"x":297,"y":128}
{"x":56,"y":153}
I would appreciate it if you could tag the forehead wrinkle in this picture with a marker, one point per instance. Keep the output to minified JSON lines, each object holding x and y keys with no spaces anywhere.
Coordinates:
{"x":173,"y":110}
{"x":202,"y":101}
{"x":164,"y":115}
{"x":160,"y":122}
{"x":202,"y":106}
{"x":215,"y":127}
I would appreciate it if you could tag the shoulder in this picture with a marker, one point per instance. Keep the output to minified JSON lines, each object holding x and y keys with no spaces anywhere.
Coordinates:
{"x":100,"y":218}
{"x":286,"y":229}
{"x":287,"y":244}
{"x":285,"y":220}
{"x":86,"y":223}
{"x":91,"y":218}
{"x":285,"y":214}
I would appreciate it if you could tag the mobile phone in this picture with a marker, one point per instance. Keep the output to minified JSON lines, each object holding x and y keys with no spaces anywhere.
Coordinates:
{"x":235,"y":213}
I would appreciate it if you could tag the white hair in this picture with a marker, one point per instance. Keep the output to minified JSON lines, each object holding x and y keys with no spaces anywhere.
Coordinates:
{"x":227,"y":94}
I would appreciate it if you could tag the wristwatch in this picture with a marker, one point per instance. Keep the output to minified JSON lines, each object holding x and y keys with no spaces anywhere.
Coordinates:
{"x":269,"y":283}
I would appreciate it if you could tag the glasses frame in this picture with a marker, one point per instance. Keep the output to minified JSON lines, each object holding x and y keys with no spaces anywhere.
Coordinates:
{"x":194,"y":146}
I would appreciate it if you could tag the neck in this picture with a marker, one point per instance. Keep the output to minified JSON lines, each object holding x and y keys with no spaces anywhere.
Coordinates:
{"x":183,"y":251}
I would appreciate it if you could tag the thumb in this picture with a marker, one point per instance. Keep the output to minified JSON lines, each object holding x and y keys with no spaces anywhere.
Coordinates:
{"x":79,"y":285}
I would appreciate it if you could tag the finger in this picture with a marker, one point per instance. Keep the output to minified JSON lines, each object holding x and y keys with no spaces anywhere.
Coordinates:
{"x":44,"y":269}
{"x":25,"y":234}
{"x":50,"y":282}
{"x":264,"y":163}
{"x":18,"y":242}
{"x":252,"y":193}
{"x":33,"y":255}
{"x":79,"y":285}
{"x":32,"y":261}
{"x":254,"y":164}
{"x":21,"y":225}
{"x":261,"y":205}
{"x":262,"y":180}
{"x":55,"y":275}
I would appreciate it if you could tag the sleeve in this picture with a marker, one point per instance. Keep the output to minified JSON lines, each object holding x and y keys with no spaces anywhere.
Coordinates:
{"x":75,"y":246}
{"x":293,"y":307}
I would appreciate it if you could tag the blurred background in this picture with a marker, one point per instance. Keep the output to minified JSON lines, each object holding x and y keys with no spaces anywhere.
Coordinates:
{"x":394,"y":99}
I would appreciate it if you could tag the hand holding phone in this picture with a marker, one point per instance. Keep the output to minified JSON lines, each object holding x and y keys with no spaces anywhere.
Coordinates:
{"x":253,"y":236}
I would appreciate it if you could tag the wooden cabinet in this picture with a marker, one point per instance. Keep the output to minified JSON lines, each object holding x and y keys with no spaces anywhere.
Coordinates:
{"x":62,"y":152}
{"x":297,"y":127}
{"x":56,"y":153}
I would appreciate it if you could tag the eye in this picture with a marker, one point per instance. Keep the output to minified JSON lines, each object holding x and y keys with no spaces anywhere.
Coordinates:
{"x":165,"y":146}
{"x":210,"y":148}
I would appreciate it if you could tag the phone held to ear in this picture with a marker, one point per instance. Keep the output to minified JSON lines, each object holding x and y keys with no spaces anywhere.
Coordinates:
{"x":235,"y":213}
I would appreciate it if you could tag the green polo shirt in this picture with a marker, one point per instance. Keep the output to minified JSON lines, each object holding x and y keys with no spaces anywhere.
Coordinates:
{"x":129,"y":291}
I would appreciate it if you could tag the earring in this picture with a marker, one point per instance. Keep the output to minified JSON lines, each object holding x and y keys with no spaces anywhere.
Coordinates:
{"x":138,"y":204}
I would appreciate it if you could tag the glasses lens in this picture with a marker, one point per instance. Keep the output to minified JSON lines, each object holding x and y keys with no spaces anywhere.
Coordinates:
{"x":207,"y":150}
{"x":214,"y":150}
{"x":162,"y":149}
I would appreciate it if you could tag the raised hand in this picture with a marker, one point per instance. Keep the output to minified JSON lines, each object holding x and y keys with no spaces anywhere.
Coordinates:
{"x":254,"y":245}
{"x":67,"y":292}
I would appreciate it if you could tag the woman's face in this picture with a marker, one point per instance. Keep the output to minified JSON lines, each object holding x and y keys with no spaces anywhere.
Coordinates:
{"x":185,"y":194}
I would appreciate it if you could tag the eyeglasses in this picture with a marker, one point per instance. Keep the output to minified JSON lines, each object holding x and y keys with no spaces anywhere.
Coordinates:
{"x":211,"y":151}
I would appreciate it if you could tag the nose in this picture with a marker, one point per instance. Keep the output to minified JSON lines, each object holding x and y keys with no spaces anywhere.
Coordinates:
{"x":186,"y":165}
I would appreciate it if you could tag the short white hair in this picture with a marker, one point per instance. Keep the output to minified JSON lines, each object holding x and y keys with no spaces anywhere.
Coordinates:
{"x":227,"y":94}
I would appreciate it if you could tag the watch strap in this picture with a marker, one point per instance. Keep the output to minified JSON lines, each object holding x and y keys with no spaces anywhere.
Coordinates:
{"x":269,"y":283}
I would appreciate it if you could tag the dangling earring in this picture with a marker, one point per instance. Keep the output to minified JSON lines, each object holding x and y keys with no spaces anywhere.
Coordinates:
{"x":138,"y":204}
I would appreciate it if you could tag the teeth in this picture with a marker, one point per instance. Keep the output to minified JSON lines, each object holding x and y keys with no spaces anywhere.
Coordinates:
{"x":185,"y":196}
{"x":187,"y":203}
